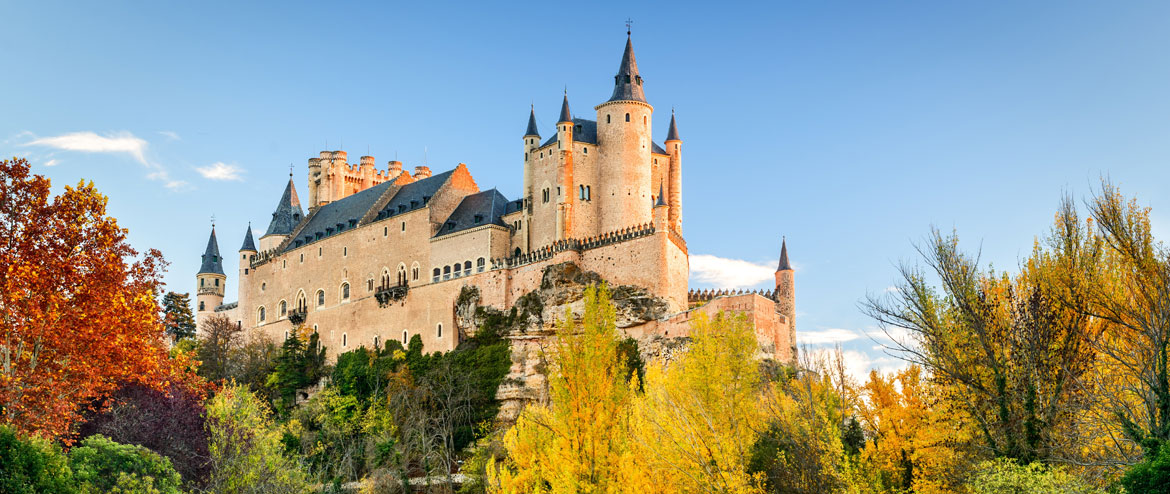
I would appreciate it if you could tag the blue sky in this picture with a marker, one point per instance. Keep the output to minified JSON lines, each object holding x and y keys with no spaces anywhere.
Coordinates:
{"x":849,"y":127}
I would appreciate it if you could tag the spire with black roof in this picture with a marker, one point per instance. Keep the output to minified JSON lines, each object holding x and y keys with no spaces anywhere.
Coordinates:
{"x":249,"y":244}
{"x":565,"y":115}
{"x":212,"y":262}
{"x":661,"y":196}
{"x":627,"y":84}
{"x":672,"y":134}
{"x":784,"y":265}
{"x":288,"y":212}
{"x":532,"y":124}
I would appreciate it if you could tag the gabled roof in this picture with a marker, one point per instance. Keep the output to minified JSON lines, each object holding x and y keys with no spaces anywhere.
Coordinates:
{"x":414,"y":195}
{"x":249,"y":244}
{"x":212,"y":262}
{"x":583,"y":131}
{"x":627,"y":84}
{"x":338,"y":216}
{"x":481,"y":208}
{"x":532,"y":124}
{"x":288,"y":212}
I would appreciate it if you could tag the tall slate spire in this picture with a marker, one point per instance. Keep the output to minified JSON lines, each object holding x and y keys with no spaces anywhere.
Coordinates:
{"x":212,"y":262}
{"x":661,"y":199}
{"x":249,"y":244}
{"x":672,"y":134}
{"x":532,"y":124}
{"x":288,"y":212}
{"x":627,"y":84}
{"x":784,"y":265}
{"x":565,"y":115}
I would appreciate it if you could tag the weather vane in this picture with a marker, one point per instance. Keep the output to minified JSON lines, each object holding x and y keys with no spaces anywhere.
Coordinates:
{"x":629,"y":22}
{"x":213,"y":221}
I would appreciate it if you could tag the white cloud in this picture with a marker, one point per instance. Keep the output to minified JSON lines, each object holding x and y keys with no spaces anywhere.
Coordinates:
{"x":826,"y":337}
{"x":51,"y":163}
{"x":221,"y":171}
{"x":728,"y":273}
{"x":89,"y":142}
{"x":858,"y":364}
{"x":170,"y":135}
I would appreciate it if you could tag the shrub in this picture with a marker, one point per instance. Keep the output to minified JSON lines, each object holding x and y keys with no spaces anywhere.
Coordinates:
{"x":1006,"y":476}
{"x":32,"y":466}
{"x":101,"y":465}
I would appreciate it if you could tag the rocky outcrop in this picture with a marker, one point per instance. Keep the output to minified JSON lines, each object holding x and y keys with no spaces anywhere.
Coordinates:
{"x":531,"y":323}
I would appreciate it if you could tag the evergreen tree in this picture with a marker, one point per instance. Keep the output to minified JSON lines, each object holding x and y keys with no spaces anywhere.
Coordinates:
{"x":177,"y":317}
{"x":300,"y":365}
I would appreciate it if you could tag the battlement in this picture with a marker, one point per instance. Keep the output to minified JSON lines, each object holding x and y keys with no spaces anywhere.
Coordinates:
{"x":579,"y":245}
{"x":704,"y":296}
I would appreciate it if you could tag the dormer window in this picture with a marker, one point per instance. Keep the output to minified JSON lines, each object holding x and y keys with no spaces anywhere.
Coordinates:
{"x":413,"y":204}
{"x":401,"y":208}
{"x":478,"y":218}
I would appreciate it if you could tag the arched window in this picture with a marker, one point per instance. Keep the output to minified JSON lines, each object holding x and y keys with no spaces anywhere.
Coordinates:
{"x":402,"y":274}
{"x":439,"y":330}
{"x":375,"y":343}
{"x":201,"y":306}
{"x":385,"y":278}
{"x":263,"y":286}
{"x":405,"y":337}
{"x":260,"y":314}
{"x":517,"y":252}
{"x":320,"y":298}
{"x":302,"y":304}
{"x":414,"y":272}
{"x":467,"y":266}
{"x":480,"y":264}
{"x":627,"y":117}
{"x":644,"y":120}
{"x":446,"y":272}
{"x":435,"y":276}
{"x":458,"y":268}
{"x":283,"y":308}
{"x":345,"y":291}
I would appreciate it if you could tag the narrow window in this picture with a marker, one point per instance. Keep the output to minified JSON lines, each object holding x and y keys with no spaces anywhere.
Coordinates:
{"x":480,"y":264}
{"x":414,"y":273}
{"x":344,"y":339}
{"x":245,"y":270}
{"x":375,"y":343}
{"x":320,"y":298}
{"x":607,"y":119}
{"x":446,"y":272}
{"x":627,"y":117}
{"x":467,"y":266}
{"x":283,"y":308}
{"x":201,"y":280}
{"x":319,"y":251}
{"x":404,"y":337}
{"x":585,"y":150}
{"x":286,"y":335}
{"x":345,"y":252}
{"x":263,"y":286}
{"x":435,"y":276}
{"x":643,"y":119}
{"x":439,"y":330}
{"x":385,"y":231}
{"x":588,"y":193}
{"x":284,"y":263}
{"x":403,"y":226}
{"x":458,"y":270}
{"x":302,"y":258}
{"x":201,"y":306}
{"x":217,"y":282}
{"x":261,"y":314}
{"x":345,"y":291}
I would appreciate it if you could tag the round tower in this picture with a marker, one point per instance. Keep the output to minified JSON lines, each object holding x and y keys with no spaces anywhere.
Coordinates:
{"x":210,"y":282}
{"x":247,"y":253}
{"x":674,"y":149}
{"x":623,"y":139}
{"x":531,"y":142}
{"x":785,"y":295}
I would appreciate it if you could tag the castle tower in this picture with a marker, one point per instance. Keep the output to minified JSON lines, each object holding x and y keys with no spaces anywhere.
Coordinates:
{"x":531,"y":142}
{"x":247,"y":253}
{"x":674,"y":148}
{"x":623,"y":136}
{"x":785,"y":295}
{"x":288,"y":213}
{"x":565,"y":173}
{"x":210,"y":281}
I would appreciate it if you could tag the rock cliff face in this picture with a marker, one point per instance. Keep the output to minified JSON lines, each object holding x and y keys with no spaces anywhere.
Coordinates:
{"x":531,"y":324}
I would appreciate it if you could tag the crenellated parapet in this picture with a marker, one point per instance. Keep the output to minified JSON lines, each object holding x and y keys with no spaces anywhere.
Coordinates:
{"x":704,"y":296}
{"x":578,"y":245}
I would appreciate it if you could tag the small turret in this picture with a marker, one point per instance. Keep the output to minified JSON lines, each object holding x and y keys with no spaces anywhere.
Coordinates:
{"x":285,"y":219}
{"x":210,"y":281}
{"x":565,"y":126}
{"x":674,"y":148}
{"x":785,"y":295}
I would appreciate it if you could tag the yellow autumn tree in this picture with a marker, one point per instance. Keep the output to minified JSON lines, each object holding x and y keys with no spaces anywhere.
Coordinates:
{"x":578,"y":442}
{"x":700,"y":415}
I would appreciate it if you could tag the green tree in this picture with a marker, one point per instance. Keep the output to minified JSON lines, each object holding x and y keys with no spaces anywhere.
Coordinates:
{"x":1150,"y":476}
{"x":101,"y":465}
{"x":247,"y":455}
{"x":301,"y":364}
{"x":29,"y":466}
{"x":1008,"y":477}
{"x":177,"y":317}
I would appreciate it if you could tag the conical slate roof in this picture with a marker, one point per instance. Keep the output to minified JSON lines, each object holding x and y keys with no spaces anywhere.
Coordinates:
{"x":532,"y":124}
{"x":212,"y":262}
{"x":672,"y":134}
{"x":249,"y":244}
{"x":661,"y":199}
{"x":784,"y":265}
{"x":288,"y":212}
{"x":627,"y":84}
{"x":565,"y":116}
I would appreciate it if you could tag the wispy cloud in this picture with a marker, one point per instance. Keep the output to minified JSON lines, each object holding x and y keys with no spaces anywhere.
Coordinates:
{"x":826,"y":337}
{"x":51,"y":163}
{"x":221,"y":171}
{"x":90,"y":142}
{"x":728,"y":273}
{"x":111,"y":143}
{"x":170,"y":135}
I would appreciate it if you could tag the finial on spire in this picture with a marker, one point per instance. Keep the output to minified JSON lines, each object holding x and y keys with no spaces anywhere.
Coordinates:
{"x":672,"y":132}
{"x":213,"y":221}
{"x":784,"y":264}
{"x":532,"y":123}
{"x":565,"y":115}
{"x":629,"y":22}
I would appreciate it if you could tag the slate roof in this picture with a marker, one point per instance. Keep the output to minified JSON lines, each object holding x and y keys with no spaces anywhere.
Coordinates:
{"x":672,"y":134}
{"x":583,"y":131}
{"x":249,"y":244}
{"x":474,"y":210}
{"x":212,"y":262}
{"x":514,"y":206}
{"x":288,"y":212}
{"x":565,"y":116}
{"x":532,"y":124}
{"x":414,"y":195}
{"x":783,"y":256}
{"x":627,"y":84}
{"x":661,"y":196}
{"x":656,"y":148}
{"x":338,"y":216}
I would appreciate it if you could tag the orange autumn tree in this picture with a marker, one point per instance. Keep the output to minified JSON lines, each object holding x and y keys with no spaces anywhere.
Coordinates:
{"x":78,"y":315}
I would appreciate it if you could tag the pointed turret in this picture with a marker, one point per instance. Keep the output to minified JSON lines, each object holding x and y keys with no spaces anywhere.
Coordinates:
{"x":285,"y":219}
{"x":784,"y":265}
{"x":212,"y":263}
{"x":672,"y":134}
{"x":661,"y":199}
{"x":565,"y":115}
{"x":532,"y":124}
{"x":627,"y":84}
{"x":249,"y":244}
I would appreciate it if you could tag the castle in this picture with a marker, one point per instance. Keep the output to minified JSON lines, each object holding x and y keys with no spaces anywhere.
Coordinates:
{"x":384,"y":254}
